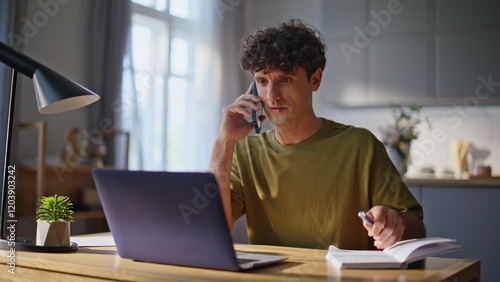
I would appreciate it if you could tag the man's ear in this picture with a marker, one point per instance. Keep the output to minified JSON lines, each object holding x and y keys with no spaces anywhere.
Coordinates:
{"x":316,"y":79}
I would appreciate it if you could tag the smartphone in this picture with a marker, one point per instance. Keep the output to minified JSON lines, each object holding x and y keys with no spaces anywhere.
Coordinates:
{"x":255,"y":118}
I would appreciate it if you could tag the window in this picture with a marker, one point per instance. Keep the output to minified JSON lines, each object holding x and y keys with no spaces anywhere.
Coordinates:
{"x":159,"y":5}
{"x":158,"y":83}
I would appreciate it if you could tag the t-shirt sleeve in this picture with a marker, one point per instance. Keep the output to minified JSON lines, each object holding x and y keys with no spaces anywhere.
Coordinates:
{"x":387,"y":186}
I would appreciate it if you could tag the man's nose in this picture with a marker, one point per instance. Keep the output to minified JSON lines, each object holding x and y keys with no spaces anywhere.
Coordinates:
{"x":273,"y":93}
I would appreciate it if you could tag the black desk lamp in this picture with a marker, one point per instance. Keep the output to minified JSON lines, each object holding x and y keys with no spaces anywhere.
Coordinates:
{"x":54,"y":94}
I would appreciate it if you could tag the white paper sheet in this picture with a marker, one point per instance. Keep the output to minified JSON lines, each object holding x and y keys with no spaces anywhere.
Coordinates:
{"x":94,"y":241}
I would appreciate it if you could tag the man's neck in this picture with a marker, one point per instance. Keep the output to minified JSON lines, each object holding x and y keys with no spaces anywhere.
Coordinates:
{"x":296,"y":133}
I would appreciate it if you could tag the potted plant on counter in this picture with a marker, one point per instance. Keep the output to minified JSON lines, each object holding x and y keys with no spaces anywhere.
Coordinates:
{"x":54,"y":217}
{"x":398,"y":135}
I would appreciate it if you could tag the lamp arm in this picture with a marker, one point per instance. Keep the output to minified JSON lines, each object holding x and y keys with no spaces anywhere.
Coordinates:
{"x":18,"y":61}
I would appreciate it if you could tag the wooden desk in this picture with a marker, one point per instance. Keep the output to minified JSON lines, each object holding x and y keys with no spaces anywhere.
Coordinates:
{"x":103,"y":263}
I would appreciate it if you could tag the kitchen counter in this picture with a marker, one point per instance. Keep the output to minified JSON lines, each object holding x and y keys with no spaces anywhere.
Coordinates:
{"x":475,"y":181}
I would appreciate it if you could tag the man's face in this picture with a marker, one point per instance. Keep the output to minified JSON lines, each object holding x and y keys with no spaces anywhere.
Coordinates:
{"x":287,"y":97}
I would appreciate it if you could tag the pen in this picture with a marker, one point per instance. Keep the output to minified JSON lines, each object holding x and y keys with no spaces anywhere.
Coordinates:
{"x":364,"y":217}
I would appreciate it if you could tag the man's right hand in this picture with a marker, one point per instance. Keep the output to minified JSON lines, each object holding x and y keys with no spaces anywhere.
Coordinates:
{"x":234,"y":126}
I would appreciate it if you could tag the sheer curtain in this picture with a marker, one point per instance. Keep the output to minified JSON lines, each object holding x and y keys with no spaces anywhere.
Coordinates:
{"x":108,"y":33}
{"x":217,"y":82}
{"x":179,"y":136}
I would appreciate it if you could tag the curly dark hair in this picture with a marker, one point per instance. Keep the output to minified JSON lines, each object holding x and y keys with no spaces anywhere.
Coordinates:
{"x":283,"y":47}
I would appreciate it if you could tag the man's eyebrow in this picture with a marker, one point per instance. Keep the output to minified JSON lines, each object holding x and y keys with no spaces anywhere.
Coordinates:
{"x":292,"y":74}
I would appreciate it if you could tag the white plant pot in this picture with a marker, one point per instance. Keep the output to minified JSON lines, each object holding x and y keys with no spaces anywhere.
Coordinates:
{"x":54,"y":234}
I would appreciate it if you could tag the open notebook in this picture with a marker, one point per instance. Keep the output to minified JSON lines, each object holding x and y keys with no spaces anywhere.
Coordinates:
{"x":396,"y":256}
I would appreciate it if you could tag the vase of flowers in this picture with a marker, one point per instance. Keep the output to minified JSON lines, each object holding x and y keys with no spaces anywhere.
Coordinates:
{"x":398,"y":134}
{"x":53,"y":224}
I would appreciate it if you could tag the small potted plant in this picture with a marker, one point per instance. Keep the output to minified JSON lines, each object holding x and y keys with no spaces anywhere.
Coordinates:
{"x":398,"y":135}
{"x":54,"y":216}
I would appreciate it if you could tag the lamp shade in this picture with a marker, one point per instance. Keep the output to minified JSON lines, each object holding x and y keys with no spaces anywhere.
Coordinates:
{"x":56,"y":93}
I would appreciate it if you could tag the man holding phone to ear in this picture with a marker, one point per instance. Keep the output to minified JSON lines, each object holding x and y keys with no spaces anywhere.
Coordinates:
{"x":303,"y":183}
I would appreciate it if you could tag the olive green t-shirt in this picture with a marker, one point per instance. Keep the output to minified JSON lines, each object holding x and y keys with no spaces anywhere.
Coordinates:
{"x":309,"y":194}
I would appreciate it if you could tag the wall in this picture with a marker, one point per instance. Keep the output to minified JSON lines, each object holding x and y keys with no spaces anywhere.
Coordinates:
{"x":425,"y":74}
{"x":53,"y":34}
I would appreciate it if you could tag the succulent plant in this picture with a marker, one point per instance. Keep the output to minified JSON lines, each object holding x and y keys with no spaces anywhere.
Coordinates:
{"x":55,"y":208}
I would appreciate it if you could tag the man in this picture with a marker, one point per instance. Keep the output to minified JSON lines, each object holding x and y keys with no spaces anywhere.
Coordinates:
{"x":303,"y":182}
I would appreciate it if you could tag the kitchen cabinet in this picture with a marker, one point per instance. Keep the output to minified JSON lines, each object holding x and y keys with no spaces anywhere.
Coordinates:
{"x":424,"y":52}
{"x":466,"y":210}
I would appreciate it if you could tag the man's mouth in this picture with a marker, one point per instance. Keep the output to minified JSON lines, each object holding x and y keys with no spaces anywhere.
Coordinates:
{"x":277,"y":109}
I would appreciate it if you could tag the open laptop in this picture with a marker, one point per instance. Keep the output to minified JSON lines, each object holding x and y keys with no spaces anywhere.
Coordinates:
{"x":171,"y":218}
